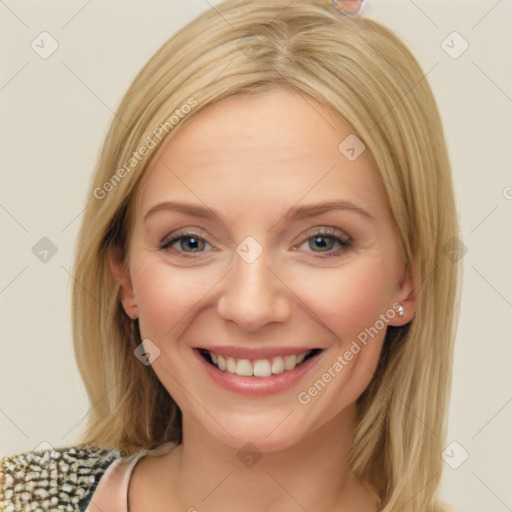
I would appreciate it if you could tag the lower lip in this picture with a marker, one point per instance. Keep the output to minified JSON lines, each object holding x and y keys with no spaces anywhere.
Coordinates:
{"x":258,"y":386}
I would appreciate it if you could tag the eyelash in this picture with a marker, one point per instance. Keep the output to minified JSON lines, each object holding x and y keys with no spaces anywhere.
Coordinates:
{"x":344,"y":241}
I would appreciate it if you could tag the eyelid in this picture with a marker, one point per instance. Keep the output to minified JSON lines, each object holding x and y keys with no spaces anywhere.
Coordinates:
{"x":182,"y":233}
{"x":326,"y":230}
{"x":344,"y":239}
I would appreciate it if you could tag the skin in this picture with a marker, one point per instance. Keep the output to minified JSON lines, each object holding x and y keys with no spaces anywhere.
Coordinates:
{"x":250,"y":160}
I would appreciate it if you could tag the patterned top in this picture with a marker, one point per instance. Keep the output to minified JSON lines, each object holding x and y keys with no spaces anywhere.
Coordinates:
{"x":53,"y":479}
{"x":67,"y":478}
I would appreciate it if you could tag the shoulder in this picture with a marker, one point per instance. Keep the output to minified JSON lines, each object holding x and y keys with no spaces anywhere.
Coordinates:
{"x":55,"y":478}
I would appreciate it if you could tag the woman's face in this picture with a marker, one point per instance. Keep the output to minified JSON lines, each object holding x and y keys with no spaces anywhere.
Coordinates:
{"x":260,"y":242}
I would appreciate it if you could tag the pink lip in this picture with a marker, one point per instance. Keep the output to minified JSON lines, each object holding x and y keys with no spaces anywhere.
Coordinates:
{"x":257,"y":386}
{"x":254,"y":353}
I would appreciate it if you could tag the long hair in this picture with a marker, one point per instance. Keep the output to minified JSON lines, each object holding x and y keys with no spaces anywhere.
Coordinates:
{"x":363,"y":72}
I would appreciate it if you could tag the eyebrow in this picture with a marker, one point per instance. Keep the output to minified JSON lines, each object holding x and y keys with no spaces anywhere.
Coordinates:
{"x":294,"y":213}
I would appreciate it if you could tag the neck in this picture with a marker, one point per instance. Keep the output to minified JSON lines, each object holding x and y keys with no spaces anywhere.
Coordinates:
{"x":312,"y":474}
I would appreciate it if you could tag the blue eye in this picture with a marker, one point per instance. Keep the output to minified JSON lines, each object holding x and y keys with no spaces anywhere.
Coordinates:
{"x":190,"y":241}
{"x":324,"y":243}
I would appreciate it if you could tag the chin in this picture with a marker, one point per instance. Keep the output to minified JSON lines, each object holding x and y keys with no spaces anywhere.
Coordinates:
{"x":267,"y":432}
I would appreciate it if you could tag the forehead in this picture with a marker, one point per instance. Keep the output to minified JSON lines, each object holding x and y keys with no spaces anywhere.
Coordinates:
{"x":278,"y":146}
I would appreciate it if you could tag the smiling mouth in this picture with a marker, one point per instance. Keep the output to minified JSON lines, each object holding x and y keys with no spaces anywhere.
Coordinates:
{"x":258,"y":367}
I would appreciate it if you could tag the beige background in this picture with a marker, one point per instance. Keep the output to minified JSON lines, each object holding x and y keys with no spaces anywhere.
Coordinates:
{"x":54,"y":114}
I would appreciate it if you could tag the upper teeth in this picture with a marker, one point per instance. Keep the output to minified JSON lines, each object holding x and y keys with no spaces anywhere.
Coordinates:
{"x":258,"y":367}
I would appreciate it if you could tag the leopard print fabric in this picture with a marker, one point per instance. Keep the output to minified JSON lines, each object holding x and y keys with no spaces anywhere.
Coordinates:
{"x":52,"y":479}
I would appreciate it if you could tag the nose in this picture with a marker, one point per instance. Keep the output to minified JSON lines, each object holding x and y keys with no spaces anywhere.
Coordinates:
{"x":253,"y":295}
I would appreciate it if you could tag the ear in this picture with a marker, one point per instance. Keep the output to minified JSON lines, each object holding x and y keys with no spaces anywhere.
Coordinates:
{"x":122,"y":275}
{"x":406,"y":297}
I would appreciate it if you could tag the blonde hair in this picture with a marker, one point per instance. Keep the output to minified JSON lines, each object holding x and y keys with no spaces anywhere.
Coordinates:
{"x":362,"y":71}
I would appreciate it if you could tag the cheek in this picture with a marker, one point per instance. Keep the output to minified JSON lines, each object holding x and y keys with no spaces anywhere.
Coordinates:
{"x":347,"y":299}
{"x":165,"y":295}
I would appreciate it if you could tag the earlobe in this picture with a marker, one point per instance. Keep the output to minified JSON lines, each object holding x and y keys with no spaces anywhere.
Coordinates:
{"x":122,"y":275}
{"x":405,"y":299}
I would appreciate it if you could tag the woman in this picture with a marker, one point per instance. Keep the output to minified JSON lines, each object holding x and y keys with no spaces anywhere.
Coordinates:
{"x":264,"y":303}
